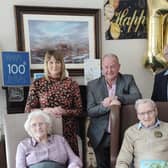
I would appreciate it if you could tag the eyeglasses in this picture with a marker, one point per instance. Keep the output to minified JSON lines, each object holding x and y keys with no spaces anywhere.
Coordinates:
{"x":41,"y":124}
{"x":142,"y":114}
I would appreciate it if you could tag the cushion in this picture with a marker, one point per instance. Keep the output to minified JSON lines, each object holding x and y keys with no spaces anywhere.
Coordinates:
{"x":48,"y":164}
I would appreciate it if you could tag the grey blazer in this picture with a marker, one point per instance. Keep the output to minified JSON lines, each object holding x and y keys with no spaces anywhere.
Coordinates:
{"x":127,"y":92}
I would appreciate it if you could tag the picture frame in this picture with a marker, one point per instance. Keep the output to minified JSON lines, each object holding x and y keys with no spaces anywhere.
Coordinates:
{"x":15,"y":94}
{"x":74,"y":31}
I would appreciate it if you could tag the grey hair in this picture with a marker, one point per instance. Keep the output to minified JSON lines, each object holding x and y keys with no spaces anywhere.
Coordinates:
{"x":38,"y":113}
{"x":111,"y":55}
{"x":144,"y":101}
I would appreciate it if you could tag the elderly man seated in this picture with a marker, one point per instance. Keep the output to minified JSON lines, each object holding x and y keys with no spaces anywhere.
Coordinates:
{"x":43,"y":150}
{"x":145,"y":144}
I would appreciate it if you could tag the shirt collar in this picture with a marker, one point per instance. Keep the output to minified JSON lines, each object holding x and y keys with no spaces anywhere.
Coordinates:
{"x":140,"y":125}
{"x":35,"y":142}
{"x":113,"y":84}
{"x":165,"y":73}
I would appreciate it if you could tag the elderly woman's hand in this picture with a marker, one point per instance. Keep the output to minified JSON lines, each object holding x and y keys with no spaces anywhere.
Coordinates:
{"x":73,"y":165}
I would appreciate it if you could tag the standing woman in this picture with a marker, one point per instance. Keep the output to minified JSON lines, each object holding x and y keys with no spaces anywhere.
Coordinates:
{"x":57,"y":94}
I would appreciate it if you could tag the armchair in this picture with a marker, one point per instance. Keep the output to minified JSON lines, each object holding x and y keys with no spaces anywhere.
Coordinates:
{"x":14,"y":133}
{"x":128,"y":116}
{"x":115,"y":129}
{"x":124,"y":117}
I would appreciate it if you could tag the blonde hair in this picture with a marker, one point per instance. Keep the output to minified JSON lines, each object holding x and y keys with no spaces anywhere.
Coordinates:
{"x":58,"y":57}
{"x":38,"y":113}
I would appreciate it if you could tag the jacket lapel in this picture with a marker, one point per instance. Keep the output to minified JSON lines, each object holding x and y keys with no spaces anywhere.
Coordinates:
{"x":104,"y":87}
{"x":119,"y":85}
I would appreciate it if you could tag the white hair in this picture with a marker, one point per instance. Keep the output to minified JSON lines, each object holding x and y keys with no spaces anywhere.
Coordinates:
{"x":111,"y":55}
{"x":144,"y":101}
{"x":38,"y":113}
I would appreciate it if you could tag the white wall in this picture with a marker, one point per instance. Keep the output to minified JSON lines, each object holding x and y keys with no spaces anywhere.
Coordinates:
{"x":130,"y":52}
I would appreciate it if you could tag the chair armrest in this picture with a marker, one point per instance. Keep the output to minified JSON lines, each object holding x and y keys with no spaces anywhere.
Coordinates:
{"x":115,"y":128}
{"x":80,"y":147}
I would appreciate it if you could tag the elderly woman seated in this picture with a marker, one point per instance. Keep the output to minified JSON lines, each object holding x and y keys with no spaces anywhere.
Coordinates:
{"x":43,"y":150}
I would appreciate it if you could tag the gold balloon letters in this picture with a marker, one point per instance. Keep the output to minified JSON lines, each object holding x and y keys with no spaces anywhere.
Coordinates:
{"x":157,"y":34}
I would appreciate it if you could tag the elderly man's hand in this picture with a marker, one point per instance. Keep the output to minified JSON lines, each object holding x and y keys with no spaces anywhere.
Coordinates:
{"x":115,"y":101}
{"x":109,"y":101}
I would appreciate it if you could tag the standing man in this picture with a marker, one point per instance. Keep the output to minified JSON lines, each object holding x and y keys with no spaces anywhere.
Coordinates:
{"x":146,"y":141}
{"x":160,"y":87}
{"x":112,"y":88}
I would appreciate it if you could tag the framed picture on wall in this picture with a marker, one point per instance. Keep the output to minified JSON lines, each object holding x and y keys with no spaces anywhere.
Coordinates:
{"x":74,"y":31}
{"x":15,"y":94}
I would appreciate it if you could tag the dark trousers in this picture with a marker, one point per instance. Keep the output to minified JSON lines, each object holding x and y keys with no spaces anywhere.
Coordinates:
{"x":102,"y":152}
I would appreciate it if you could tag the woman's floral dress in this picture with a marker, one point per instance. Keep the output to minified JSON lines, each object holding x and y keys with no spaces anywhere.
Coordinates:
{"x":51,"y":93}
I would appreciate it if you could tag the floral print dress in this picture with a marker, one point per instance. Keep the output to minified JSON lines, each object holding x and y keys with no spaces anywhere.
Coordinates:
{"x":51,"y":93}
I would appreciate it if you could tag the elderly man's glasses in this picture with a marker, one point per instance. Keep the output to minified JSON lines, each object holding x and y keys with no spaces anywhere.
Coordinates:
{"x":146,"y":113}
